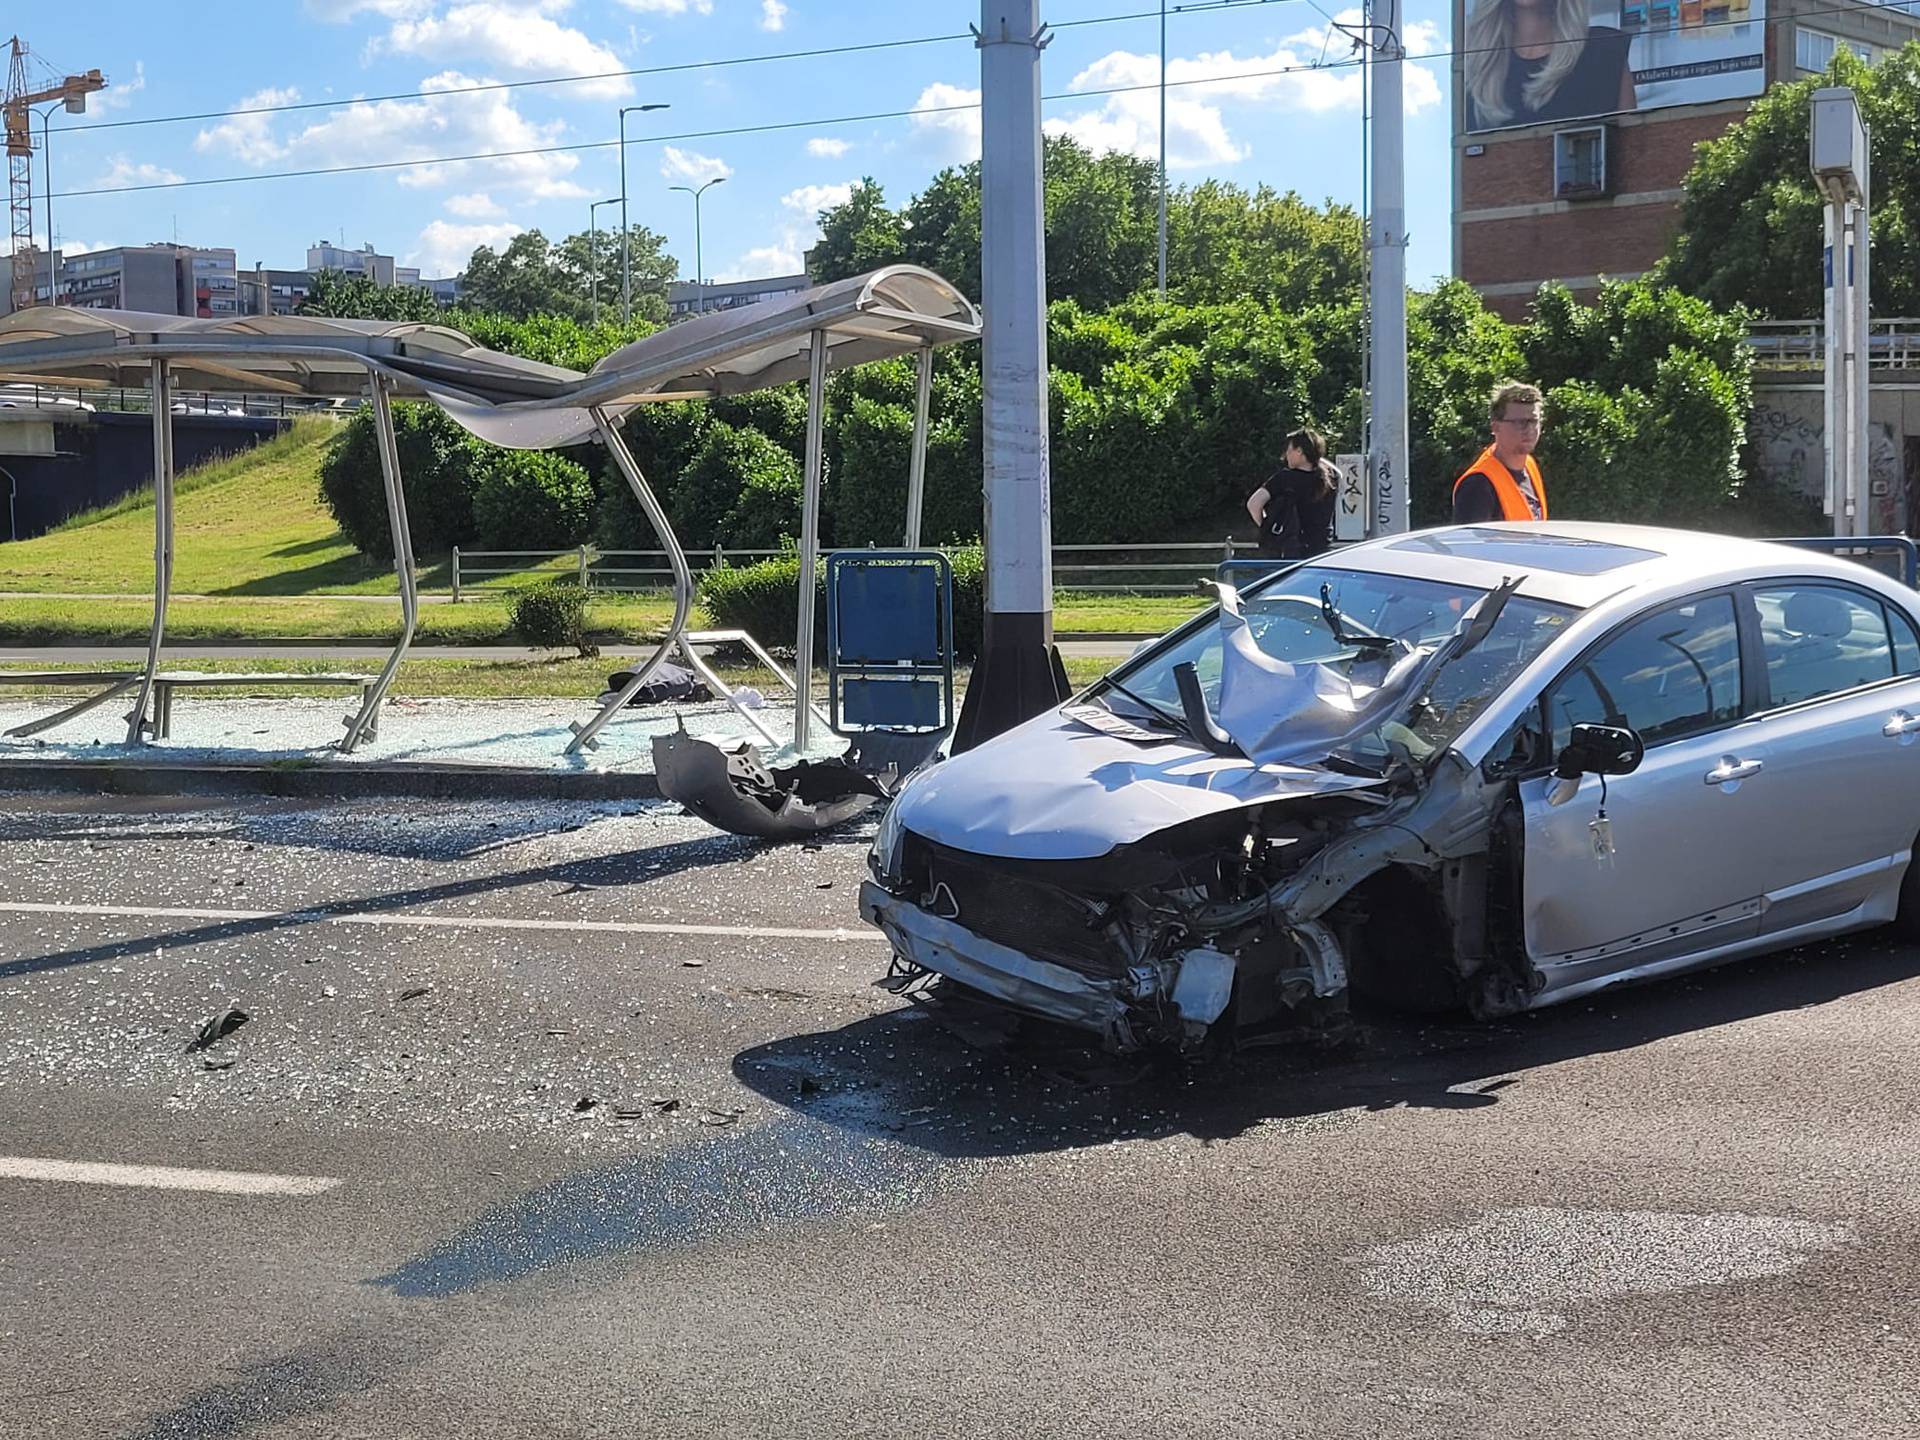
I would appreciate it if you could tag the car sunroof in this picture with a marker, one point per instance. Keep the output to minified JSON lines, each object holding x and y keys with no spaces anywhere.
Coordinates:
{"x":1539,"y":549}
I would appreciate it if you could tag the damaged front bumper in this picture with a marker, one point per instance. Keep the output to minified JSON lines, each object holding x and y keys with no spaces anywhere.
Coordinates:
{"x":1176,"y":1000}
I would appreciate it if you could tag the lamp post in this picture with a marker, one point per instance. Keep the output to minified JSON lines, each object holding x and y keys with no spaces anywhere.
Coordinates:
{"x":626,"y":245}
{"x":593,"y":252}
{"x":699,"y":270}
{"x":46,"y":154}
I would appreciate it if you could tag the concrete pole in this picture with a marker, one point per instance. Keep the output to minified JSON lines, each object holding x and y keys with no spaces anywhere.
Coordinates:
{"x":1833,"y":368}
{"x":1163,"y":149}
{"x":1018,"y":673}
{"x":1387,"y":293}
{"x":1862,"y":378}
{"x":917,"y":462}
{"x":626,"y":239}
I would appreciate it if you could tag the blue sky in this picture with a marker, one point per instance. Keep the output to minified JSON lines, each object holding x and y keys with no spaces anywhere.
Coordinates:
{"x":1299,"y":131}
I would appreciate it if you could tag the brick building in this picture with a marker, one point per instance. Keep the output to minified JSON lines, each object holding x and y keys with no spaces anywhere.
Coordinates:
{"x":1582,"y":198}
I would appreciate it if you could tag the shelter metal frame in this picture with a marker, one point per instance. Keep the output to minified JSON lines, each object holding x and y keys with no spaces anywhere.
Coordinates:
{"x":520,"y":404}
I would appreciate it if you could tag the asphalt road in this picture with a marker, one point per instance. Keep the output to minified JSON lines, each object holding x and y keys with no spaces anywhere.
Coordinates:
{"x":571,"y":1121}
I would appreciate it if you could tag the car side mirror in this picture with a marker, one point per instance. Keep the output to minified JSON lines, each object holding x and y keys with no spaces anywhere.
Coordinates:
{"x":1599,"y":750}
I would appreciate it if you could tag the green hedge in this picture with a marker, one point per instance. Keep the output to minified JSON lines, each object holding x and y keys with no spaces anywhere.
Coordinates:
{"x":764,"y":600}
{"x":532,"y":500}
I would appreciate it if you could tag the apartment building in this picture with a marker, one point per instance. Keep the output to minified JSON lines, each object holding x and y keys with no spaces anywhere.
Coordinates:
{"x":1584,"y":183}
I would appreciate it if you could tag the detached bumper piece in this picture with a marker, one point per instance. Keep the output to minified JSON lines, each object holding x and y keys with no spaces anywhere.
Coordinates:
{"x":728,"y":785}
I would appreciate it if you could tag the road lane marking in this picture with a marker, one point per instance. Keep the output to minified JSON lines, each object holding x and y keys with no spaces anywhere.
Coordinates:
{"x":163,"y":1177}
{"x":455,"y":922}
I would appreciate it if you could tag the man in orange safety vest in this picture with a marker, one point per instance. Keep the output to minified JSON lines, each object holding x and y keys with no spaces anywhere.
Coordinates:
{"x":1505,"y":482}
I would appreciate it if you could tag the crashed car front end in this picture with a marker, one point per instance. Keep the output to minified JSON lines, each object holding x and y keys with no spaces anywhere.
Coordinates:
{"x":1160,"y":889}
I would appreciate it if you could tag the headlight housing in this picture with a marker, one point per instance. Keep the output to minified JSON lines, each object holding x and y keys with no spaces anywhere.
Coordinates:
{"x":883,"y":860}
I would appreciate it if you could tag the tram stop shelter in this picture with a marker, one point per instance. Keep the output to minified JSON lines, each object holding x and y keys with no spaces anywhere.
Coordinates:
{"x":507,"y":401}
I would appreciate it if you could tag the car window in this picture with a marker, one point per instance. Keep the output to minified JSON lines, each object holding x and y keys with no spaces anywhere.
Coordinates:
{"x":1906,"y":642}
{"x":1674,"y":673}
{"x":1821,"y":639}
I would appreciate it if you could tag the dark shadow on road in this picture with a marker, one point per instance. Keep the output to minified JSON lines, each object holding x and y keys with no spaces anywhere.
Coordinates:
{"x":881,"y":1115}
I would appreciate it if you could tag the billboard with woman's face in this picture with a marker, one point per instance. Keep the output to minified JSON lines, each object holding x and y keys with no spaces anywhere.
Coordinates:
{"x":1530,"y":61}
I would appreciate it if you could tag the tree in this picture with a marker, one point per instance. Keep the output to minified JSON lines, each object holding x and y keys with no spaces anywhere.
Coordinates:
{"x":533,"y":276}
{"x":1750,"y":224}
{"x":857,"y":235}
{"x":337,"y":295}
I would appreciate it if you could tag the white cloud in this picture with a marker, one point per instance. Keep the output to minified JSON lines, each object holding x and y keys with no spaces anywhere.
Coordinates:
{"x":773,"y":15}
{"x":119,"y":93}
{"x":444,"y":248}
{"x":123,"y":172}
{"x":678,"y":164}
{"x":452,"y":118}
{"x":941,"y":113}
{"x":249,"y":138}
{"x":510,"y":35}
{"x":810,"y":200}
{"x":827,"y":149}
{"x":670,"y":7}
{"x":1198,"y":135}
{"x":477,"y":206}
{"x":768,"y":260}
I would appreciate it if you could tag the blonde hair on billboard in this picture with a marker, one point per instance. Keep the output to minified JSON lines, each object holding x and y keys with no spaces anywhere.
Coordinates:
{"x":1490,"y":51}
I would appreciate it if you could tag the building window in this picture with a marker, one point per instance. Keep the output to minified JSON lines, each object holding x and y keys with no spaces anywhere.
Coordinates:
{"x":1580,"y":163}
{"x":1813,"y":50}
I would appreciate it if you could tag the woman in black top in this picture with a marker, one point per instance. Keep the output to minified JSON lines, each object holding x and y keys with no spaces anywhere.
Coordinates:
{"x":1294,"y":509}
{"x":1535,"y":60}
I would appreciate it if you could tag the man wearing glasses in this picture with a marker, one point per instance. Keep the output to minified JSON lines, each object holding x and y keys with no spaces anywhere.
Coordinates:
{"x":1504,"y":483}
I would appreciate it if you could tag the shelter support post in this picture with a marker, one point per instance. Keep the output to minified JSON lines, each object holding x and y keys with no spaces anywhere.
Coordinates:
{"x":917,"y":467}
{"x":137,"y":724}
{"x":809,"y":541}
{"x":682,"y":580}
{"x":365,"y":722}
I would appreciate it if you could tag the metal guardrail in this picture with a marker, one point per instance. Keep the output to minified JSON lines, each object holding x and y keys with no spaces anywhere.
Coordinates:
{"x":128,"y":400}
{"x":1904,"y":554}
{"x":1168,"y":569}
{"x":1892,"y":344}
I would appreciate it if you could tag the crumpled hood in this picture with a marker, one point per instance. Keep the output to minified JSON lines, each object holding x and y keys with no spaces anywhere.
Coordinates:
{"x":1053,"y":789}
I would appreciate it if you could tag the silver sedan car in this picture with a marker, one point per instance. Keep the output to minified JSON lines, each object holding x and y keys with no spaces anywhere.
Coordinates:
{"x":1489,"y":767}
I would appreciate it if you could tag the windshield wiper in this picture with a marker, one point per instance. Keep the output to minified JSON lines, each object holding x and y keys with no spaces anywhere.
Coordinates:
{"x":1336,"y":622}
{"x":1166,"y":717}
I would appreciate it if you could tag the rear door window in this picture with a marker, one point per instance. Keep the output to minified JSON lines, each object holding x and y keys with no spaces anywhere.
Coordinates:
{"x":1667,"y":675}
{"x":1820,"y":640}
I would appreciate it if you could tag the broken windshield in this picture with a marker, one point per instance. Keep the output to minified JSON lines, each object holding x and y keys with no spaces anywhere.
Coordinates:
{"x":1334,"y":634}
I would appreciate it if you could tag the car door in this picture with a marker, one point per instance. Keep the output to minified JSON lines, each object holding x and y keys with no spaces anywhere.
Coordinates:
{"x":1653,"y":865}
{"x":1840,"y":718}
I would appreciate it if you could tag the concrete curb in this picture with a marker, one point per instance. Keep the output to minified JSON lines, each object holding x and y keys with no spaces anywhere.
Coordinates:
{"x":325,"y":781}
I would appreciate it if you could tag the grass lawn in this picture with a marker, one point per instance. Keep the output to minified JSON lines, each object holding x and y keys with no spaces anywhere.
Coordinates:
{"x":252,"y":537}
{"x":477,"y":678}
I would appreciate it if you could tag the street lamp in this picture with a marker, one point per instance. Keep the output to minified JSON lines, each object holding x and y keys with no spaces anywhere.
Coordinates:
{"x":626,"y":243}
{"x":46,"y":153}
{"x":593,"y":252}
{"x":699,"y":271}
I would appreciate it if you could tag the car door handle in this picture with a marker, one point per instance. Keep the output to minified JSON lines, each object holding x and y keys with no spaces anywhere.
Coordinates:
{"x":1732,"y":769}
{"x":1900,"y":724}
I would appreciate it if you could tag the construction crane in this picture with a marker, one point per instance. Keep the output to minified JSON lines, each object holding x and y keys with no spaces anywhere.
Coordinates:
{"x":71,"y":91}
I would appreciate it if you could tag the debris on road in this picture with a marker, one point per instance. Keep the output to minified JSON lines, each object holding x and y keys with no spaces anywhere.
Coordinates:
{"x":213,"y":1063}
{"x":217,"y":1028}
{"x":415,"y":992}
{"x":728,"y":784}
{"x":584,"y":1104}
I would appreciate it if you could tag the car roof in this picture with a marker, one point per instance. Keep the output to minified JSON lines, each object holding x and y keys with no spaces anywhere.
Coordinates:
{"x":1582,"y":563}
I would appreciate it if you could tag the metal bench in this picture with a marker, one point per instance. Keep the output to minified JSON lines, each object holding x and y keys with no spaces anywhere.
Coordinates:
{"x":167,"y":681}
{"x":113,"y":682}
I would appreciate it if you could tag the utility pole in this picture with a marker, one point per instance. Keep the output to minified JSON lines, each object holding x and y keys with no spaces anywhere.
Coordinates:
{"x":699,"y":266}
{"x":626,"y":242}
{"x":1163,"y":149}
{"x":1018,"y":674}
{"x":1387,"y":293}
{"x":593,"y":253}
{"x":1839,"y":157}
{"x":17,"y":112}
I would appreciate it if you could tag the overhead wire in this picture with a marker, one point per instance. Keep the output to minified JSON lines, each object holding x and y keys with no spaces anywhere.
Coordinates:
{"x":826,"y":122}
{"x":595,"y":77}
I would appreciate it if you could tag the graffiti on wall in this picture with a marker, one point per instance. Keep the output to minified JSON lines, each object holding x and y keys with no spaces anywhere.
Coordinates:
{"x":1787,"y":433}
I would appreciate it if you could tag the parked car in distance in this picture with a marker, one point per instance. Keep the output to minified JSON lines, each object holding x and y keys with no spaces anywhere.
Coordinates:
{"x":1490,"y":767}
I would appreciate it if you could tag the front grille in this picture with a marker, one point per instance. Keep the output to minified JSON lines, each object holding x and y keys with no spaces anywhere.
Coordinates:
{"x":1022,"y":914}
